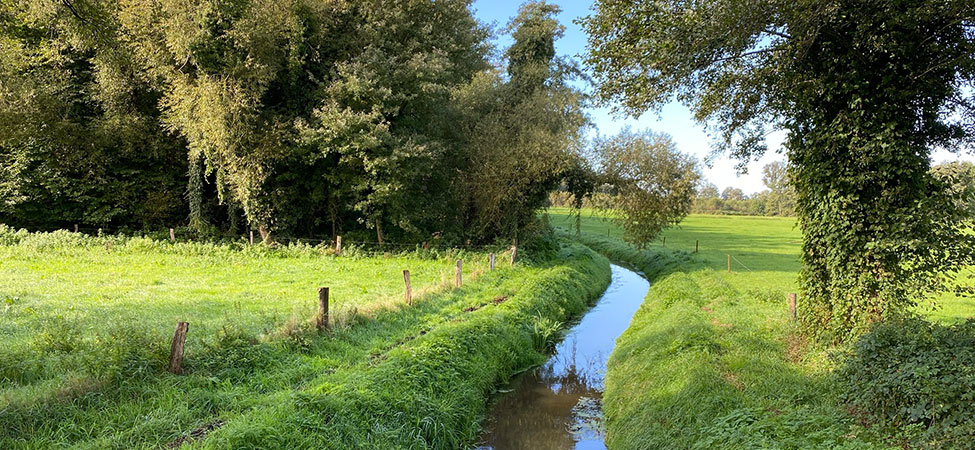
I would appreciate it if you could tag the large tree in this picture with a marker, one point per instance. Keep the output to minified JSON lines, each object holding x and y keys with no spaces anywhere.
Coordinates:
{"x":865,"y":90}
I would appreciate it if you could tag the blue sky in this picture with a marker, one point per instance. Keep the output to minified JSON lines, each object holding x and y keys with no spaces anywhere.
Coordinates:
{"x":674,"y":118}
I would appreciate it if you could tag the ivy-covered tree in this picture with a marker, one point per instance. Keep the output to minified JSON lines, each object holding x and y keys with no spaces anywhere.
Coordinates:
{"x":865,"y":90}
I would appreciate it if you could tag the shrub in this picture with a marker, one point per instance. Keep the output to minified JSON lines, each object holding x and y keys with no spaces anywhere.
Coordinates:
{"x":913,"y":374}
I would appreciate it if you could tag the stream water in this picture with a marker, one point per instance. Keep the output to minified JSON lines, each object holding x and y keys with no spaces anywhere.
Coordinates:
{"x":557,"y":406}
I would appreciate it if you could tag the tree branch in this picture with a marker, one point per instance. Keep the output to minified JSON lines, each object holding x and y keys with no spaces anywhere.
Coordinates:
{"x":777,"y":33}
{"x":68,"y":4}
{"x":746,"y":54}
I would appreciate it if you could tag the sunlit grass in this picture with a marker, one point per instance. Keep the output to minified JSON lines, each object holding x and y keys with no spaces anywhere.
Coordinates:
{"x":711,"y":360}
{"x":87,"y":321}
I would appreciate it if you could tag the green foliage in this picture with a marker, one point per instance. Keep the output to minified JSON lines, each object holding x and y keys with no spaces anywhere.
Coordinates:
{"x":959,"y":178}
{"x":654,"y":183}
{"x":298,"y":118}
{"x":524,"y":133}
{"x":915,"y":375}
{"x":80,"y":140}
{"x":865,"y":90}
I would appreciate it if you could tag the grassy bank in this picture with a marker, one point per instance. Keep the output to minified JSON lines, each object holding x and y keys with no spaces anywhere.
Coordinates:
{"x":711,"y":359}
{"x":386,"y":376}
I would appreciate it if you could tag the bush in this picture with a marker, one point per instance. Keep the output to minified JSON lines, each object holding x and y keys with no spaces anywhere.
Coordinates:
{"x":916,"y":375}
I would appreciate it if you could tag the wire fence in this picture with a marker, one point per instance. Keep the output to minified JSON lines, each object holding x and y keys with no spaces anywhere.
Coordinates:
{"x":740,"y":263}
{"x":359,"y":246}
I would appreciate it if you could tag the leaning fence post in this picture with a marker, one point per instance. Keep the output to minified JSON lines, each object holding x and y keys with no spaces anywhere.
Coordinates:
{"x":792,"y":306}
{"x":409,"y":290}
{"x":176,"y":349}
{"x":321,"y":320}
{"x":460,"y":264}
{"x":338,"y":245}
{"x":491,"y":260}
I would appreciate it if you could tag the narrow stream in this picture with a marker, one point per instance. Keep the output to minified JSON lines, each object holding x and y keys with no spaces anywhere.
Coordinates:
{"x":557,"y":406}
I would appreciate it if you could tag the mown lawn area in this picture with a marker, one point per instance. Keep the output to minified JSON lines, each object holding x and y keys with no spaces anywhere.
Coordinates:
{"x":711,"y":360}
{"x":87,"y":321}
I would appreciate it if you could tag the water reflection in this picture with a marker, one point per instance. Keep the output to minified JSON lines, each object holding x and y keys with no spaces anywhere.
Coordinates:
{"x":557,"y":406}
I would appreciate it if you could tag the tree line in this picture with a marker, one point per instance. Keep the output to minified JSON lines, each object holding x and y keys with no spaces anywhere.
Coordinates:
{"x":303,"y":118}
{"x":778,"y":198}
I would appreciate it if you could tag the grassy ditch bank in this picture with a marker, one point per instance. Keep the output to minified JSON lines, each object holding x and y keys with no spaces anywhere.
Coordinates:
{"x":87,"y":363}
{"x":711,"y":361}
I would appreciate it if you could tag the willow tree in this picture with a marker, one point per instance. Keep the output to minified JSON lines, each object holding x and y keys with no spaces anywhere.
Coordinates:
{"x":298,"y":106}
{"x":865,"y":90}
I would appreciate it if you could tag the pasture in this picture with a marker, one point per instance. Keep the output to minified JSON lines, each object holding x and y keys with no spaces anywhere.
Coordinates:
{"x":711,"y":360}
{"x":87,"y":323}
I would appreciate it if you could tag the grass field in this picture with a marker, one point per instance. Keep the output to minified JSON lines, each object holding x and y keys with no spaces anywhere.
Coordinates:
{"x":711,"y":359}
{"x":86,"y":323}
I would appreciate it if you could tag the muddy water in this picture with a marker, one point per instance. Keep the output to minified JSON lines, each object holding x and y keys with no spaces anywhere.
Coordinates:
{"x":557,"y":406}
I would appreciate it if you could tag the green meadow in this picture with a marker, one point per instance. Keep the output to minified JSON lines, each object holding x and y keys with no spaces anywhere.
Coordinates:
{"x":711,"y":360}
{"x":87,"y":323}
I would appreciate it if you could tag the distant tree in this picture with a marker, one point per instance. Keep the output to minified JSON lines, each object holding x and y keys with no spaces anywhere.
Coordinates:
{"x":780,"y":200}
{"x":732,"y":193}
{"x":653,"y":181}
{"x":865,"y":91}
{"x":775,"y":176}
{"x":708,"y":190}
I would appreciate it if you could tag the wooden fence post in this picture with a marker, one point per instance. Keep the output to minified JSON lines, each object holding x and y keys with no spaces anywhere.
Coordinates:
{"x":426,"y":245}
{"x":729,"y":263}
{"x":338,"y":245}
{"x":172,"y":235}
{"x":321,"y":320}
{"x":460,"y":264}
{"x":696,"y":242}
{"x":409,"y":290}
{"x":252,"y":237}
{"x":176,"y":349}
{"x":665,"y":241}
{"x":75,"y":228}
{"x":514,"y":251}
{"x":491,"y":260}
{"x":792,"y":306}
